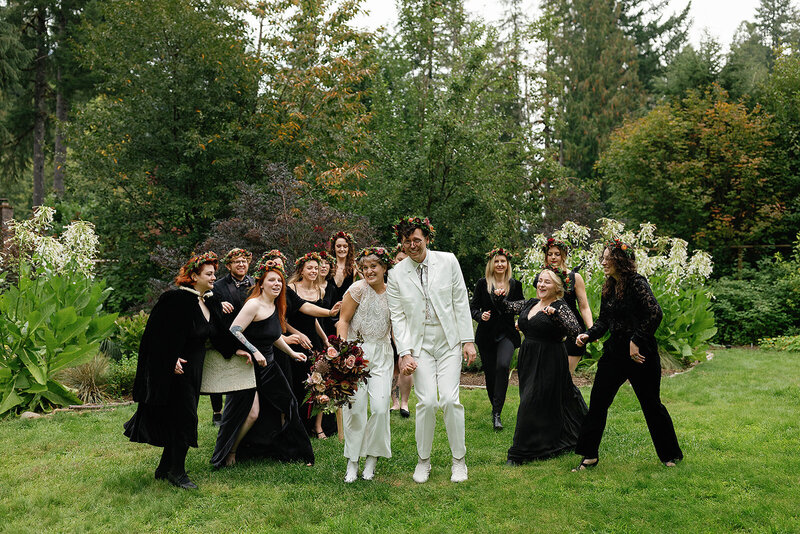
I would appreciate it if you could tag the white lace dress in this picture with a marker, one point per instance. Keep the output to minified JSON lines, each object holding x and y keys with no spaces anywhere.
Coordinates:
{"x":371,"y":323}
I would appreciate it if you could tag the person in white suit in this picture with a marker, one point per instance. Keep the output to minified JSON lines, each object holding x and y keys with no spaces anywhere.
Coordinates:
{"x":432,"y":327}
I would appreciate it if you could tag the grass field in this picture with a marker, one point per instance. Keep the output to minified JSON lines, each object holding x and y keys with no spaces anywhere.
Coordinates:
{"x":737,"y":418}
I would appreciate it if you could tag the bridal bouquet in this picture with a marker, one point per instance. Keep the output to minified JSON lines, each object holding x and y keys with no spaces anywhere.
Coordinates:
{"x":335,"y":375}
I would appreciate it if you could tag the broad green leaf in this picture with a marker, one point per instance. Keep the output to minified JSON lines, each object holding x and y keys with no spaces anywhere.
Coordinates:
{"x":58,"y":394}
{"x":35,"y":365}
{"x":10,"y":400}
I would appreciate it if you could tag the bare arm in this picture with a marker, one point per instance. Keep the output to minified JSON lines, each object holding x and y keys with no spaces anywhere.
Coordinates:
{"x":318,"y":311}
{"x":583,"y":301}
{"x":281,"y":344}
{"x":349,"y":307}
{"x":242,"y":321}
{"x":321,"y":333}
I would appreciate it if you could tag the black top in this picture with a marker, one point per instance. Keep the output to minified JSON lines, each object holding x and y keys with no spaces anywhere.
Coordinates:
{"x":342,"y":289}
{"x":299,"y":320}
{"x":635,"y":317}
{"x":544,"y":328}
{"x":264,"y":333}
{"x":570,"y":297}
{"x":226,"y":290}
{"x":501,"y":322}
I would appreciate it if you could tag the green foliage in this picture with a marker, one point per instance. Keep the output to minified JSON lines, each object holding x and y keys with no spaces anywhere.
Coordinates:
{"x":129,"y":334}
{"x":47,"y":323}
{"x":121,"y":374}
{"x":785,"y":343}
{"x":708,"y":159}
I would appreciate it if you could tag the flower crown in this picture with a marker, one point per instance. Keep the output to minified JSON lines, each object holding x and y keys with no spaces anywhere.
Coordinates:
{"x":272,"y":254}
{"x":200,"y":259}
{"x":397,"y":249}
{"x":417,"y":222}
{"x":553,"y":242}
{"x":327,"y":258}
{"x":566,"y":279}
{"x":616,"y":243}
{"x":384,"y":255}
{"x":265,"y":264}
{"x":499,"y":251}
{"x":310,"y":256}
{"x":235,"y":253}
{"x":344,"y":235}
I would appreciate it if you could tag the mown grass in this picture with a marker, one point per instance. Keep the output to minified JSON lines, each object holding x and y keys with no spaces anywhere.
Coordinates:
{"x":736,"y":418}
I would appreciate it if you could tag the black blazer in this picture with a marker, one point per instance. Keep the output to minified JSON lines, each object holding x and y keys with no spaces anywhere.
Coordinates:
{"x":225,"y":290}
{"x":501,"y":323}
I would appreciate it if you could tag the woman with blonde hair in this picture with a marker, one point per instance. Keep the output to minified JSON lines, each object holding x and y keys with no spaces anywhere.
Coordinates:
{"x":551,"y":409}
{"x":496,"y":336}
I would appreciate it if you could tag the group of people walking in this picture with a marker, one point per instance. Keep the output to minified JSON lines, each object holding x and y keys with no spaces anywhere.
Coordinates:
{"x":412,"y":315}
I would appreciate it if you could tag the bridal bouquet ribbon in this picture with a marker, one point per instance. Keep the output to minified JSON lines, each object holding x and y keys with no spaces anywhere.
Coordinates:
{"x":335,"y":375}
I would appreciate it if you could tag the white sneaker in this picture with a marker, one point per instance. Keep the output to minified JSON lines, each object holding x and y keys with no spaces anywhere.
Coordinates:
{"x":422,"y":471}
{"x":352,"y":472}
{"x":459,"y":470}
{"x":369,"y":468}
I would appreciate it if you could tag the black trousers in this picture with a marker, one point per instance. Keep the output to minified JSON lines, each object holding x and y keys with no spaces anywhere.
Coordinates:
{"x":216,"y":402}
{"x":613,"y":368}
{"x":496,"y":360}
{"x":173,"y":459}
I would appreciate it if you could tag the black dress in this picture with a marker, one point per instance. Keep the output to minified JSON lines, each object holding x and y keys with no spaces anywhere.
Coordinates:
{"x":571,"y":298}
{"x":633,"y":317}
{"x":167,"y":410}
{"x":268,"y":437}
{"x":328,"y":324}
{"x":551,"y":409}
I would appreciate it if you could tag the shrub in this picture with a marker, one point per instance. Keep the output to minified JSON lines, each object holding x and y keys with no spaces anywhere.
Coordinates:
{"x":120,"y":376}
{"x":89,"y":380}
{"x":677,"y":281}
{"x":786,"y":343}
{"x":124,"y":343}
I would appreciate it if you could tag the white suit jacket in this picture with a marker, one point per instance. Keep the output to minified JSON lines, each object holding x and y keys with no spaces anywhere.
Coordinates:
{"x":448,"y":295}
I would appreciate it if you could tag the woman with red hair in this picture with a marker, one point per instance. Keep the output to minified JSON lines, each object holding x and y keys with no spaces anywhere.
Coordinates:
{"x":170,"y":368}
{"x":263,"y":422}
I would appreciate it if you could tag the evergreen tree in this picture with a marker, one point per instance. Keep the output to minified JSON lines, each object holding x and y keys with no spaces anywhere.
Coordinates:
{"x":777,"y":22}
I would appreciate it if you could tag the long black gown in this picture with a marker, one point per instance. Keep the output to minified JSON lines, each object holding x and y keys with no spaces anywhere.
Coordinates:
{"x":328,"y":324}
{"x":551,"y":408}
{"x":268,"y":437}
{"x":300,"y":370}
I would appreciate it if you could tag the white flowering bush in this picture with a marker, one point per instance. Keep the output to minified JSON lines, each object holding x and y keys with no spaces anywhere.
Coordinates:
{"x":74,"y":251}
{"x":679,"y":282}
{"x":51,"y":313}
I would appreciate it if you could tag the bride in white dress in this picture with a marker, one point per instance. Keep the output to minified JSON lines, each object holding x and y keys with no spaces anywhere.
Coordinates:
{"x":365,"y":316}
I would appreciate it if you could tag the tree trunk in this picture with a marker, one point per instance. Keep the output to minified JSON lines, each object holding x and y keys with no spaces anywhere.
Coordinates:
{"x":39,"y":103}
{"x":60,"y":148}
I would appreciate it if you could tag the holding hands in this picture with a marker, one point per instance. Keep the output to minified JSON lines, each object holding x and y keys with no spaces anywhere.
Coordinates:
{"x":408,"y":365}
{"x":582,"y":339}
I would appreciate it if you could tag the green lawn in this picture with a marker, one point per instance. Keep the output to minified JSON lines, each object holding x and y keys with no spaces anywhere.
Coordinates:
{"x":737,"y":418}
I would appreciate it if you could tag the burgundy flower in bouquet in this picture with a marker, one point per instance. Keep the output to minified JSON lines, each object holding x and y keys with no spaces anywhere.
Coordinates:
{"x":335,"y":375}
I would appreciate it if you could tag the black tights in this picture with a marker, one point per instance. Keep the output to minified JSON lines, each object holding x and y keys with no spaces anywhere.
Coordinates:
{"x":173,"y":459}
{"x":216,"y":402}
{"x":496,"y":360}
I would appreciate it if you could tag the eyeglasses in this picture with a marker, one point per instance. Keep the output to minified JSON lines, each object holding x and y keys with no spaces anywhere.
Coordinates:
{"x":240,"y":261}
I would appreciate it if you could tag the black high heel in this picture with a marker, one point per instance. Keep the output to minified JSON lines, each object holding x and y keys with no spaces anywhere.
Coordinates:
{"x":583,"y":466}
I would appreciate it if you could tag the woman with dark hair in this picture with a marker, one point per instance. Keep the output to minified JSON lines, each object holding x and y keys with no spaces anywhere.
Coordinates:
{"x":170,"y":367}
{"x":263,"y":422}
{"x":328,"y":291}
{"x":551,"y":409}
{"x":556,"y":252}
{"x":630,"y":312}
{"x":496,"y":336}
{"x":304,"y":284}
{"x":343,"y":249}
{"x":365,"y":317}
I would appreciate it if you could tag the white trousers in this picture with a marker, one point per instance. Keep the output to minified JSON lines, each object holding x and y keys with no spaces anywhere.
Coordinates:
{"x":363,"y":436}
{"x":436,"y":383}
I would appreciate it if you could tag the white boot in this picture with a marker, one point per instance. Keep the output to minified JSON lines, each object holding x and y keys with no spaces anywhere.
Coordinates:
{"x":352,"y":472}
{"x":422,"y":471}
{"x":459,"y":470}
{"x":369,"y":468}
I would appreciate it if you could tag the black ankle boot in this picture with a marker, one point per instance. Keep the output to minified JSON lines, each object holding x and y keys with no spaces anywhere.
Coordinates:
{"x":498,"y":425}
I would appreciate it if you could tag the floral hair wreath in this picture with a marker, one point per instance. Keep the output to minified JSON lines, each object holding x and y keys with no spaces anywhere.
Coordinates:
{"x":235,"y":253}
{"x":553,"y":242}
{"x":417,"y":222}
{"x":265,"y":264}
{"x":499,"y":251}
{"x":383,"y":254}
{"x":566,"y":279}
{"x":343,"y":235}
{"x":200,"y":259}
{"x":327,"y":258}
{"x":616,"y":243}
{"x":272,"y":254}
{"x":310,"y":256}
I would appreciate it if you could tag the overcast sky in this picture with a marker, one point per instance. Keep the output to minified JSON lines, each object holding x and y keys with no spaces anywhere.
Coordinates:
{"x":718,"y":17}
